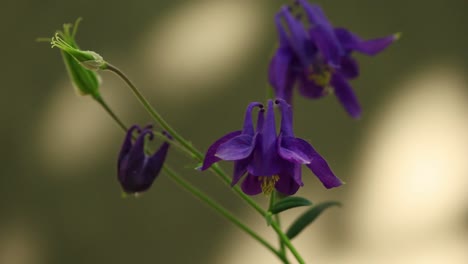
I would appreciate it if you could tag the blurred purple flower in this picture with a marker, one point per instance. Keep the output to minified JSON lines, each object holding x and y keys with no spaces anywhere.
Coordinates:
{"x":270,"y":161}
{"x":136,"y":170}
{"x":318,"y":56}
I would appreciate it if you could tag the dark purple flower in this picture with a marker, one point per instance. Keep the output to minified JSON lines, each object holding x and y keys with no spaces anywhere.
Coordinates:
{"x":136,"y":170}
{"x":271,"y":161}
{"x":317,"y":57}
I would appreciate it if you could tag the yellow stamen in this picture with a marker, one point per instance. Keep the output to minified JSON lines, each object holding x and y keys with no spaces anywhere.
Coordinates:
{"x":321,"y":78}
{"x":268,"y":183}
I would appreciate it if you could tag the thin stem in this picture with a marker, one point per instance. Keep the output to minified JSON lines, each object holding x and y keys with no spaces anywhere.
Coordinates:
{"x":218,"y":208}
{"x":198,"y":193}
{"x":199,"y":156}
{"x":287,"y":242}
{"x":273,"y":199}
{"x":110,"y":112}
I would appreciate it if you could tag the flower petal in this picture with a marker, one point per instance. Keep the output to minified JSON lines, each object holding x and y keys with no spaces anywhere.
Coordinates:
{"x":240,"y":168}
{"x":298,"y":37}
{"x":210,"y":157}
{"x":136,"y":156}
{"x":269,"y":129}
{"x":237,"y":148}
{"x":265,"y":156}
{"x":156,"y":161}
{"x":349,"y":67}
{"x":295,"y":150}
{"x":346,"y":96}
{"x":286,"y":127}
{"x":322,"y":33}
{"x":327,"y":45}
{"x":248,"y":123}
{"x":321,"y":169}
{"x":281,"y":76}
{"x":371,"y":47}
{"x":151,"y":170}
{"x":299,"y":151}
{"x":287,"y":183}
{"x":309,"y":89}
{"x":315,"y":14}
{"x":127,"y":144}
{"x":251,"y":185}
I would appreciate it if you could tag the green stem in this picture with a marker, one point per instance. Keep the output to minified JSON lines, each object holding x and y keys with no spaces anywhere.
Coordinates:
{"x":110,"y":112}
{"x":287,"y":242}
{"x":273,"y":199}
{"x":198,"y":155}
{"x":198,"y":193}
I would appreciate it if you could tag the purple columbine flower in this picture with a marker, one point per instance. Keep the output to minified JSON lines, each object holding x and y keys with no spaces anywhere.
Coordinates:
{"x":318,"y":57}
{"x":136,"y":170}
{"x":271,"y":161}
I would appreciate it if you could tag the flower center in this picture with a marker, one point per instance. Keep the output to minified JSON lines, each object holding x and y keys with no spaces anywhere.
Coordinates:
{"x":321,"y":76}
{"x":268,"y":183}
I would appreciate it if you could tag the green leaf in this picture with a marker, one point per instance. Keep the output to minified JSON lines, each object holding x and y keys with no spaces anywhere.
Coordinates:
{"x":288,"y":203}
{"x":308,"y":217}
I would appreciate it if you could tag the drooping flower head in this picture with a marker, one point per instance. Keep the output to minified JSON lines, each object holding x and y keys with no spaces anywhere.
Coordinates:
{"x":136,"y":170}
{"x":267,"y":159}
{"x":317,"y":57}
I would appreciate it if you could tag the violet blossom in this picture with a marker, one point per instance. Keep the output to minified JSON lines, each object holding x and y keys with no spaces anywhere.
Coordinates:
{"x":317,"y":57}
{"x":269,"y":160}
{"x":136,"y":170}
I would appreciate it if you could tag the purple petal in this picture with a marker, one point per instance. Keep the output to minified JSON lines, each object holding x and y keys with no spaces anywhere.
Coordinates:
{"x":349,"y":67}
{"x":287,"y":184}
{"x":240,"y":168}
{"x":152,"y":168}
{"x":295,"y":150}
{"x":156,"y":161}
{"x":281,"y":76}
{"x":286,"y":118}
{"x":236,"y":148}
{"x":251,"y":185}
{"x":309,"y":89}
{"x":127,"y":144}
{"x":298,"y":37}
{"x":299,"y":151}
{"x":323,"y":33}
{"x":265,"y":157}
{"x":315,"y":14}
{"x":210,"y":157}
{"x":248,"y":125}
{"x":327,"y":45}
{"x":371,"y":47}
{"x":346,"y":96}
{"x":136,"y":156}
{"x":269,"y":128}
{"x":321,"y":169}
{"x":282,"y":35}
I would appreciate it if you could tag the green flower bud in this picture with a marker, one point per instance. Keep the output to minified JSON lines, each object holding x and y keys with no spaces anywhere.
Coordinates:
{"x":81,"y":65}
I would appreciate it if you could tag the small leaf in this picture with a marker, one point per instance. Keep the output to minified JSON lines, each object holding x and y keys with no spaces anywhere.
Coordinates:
{"x":308,"y":217}
{"x":288,"y":203}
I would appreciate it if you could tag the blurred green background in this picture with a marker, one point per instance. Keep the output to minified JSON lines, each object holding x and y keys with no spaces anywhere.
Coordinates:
{"x":199,"y":63}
